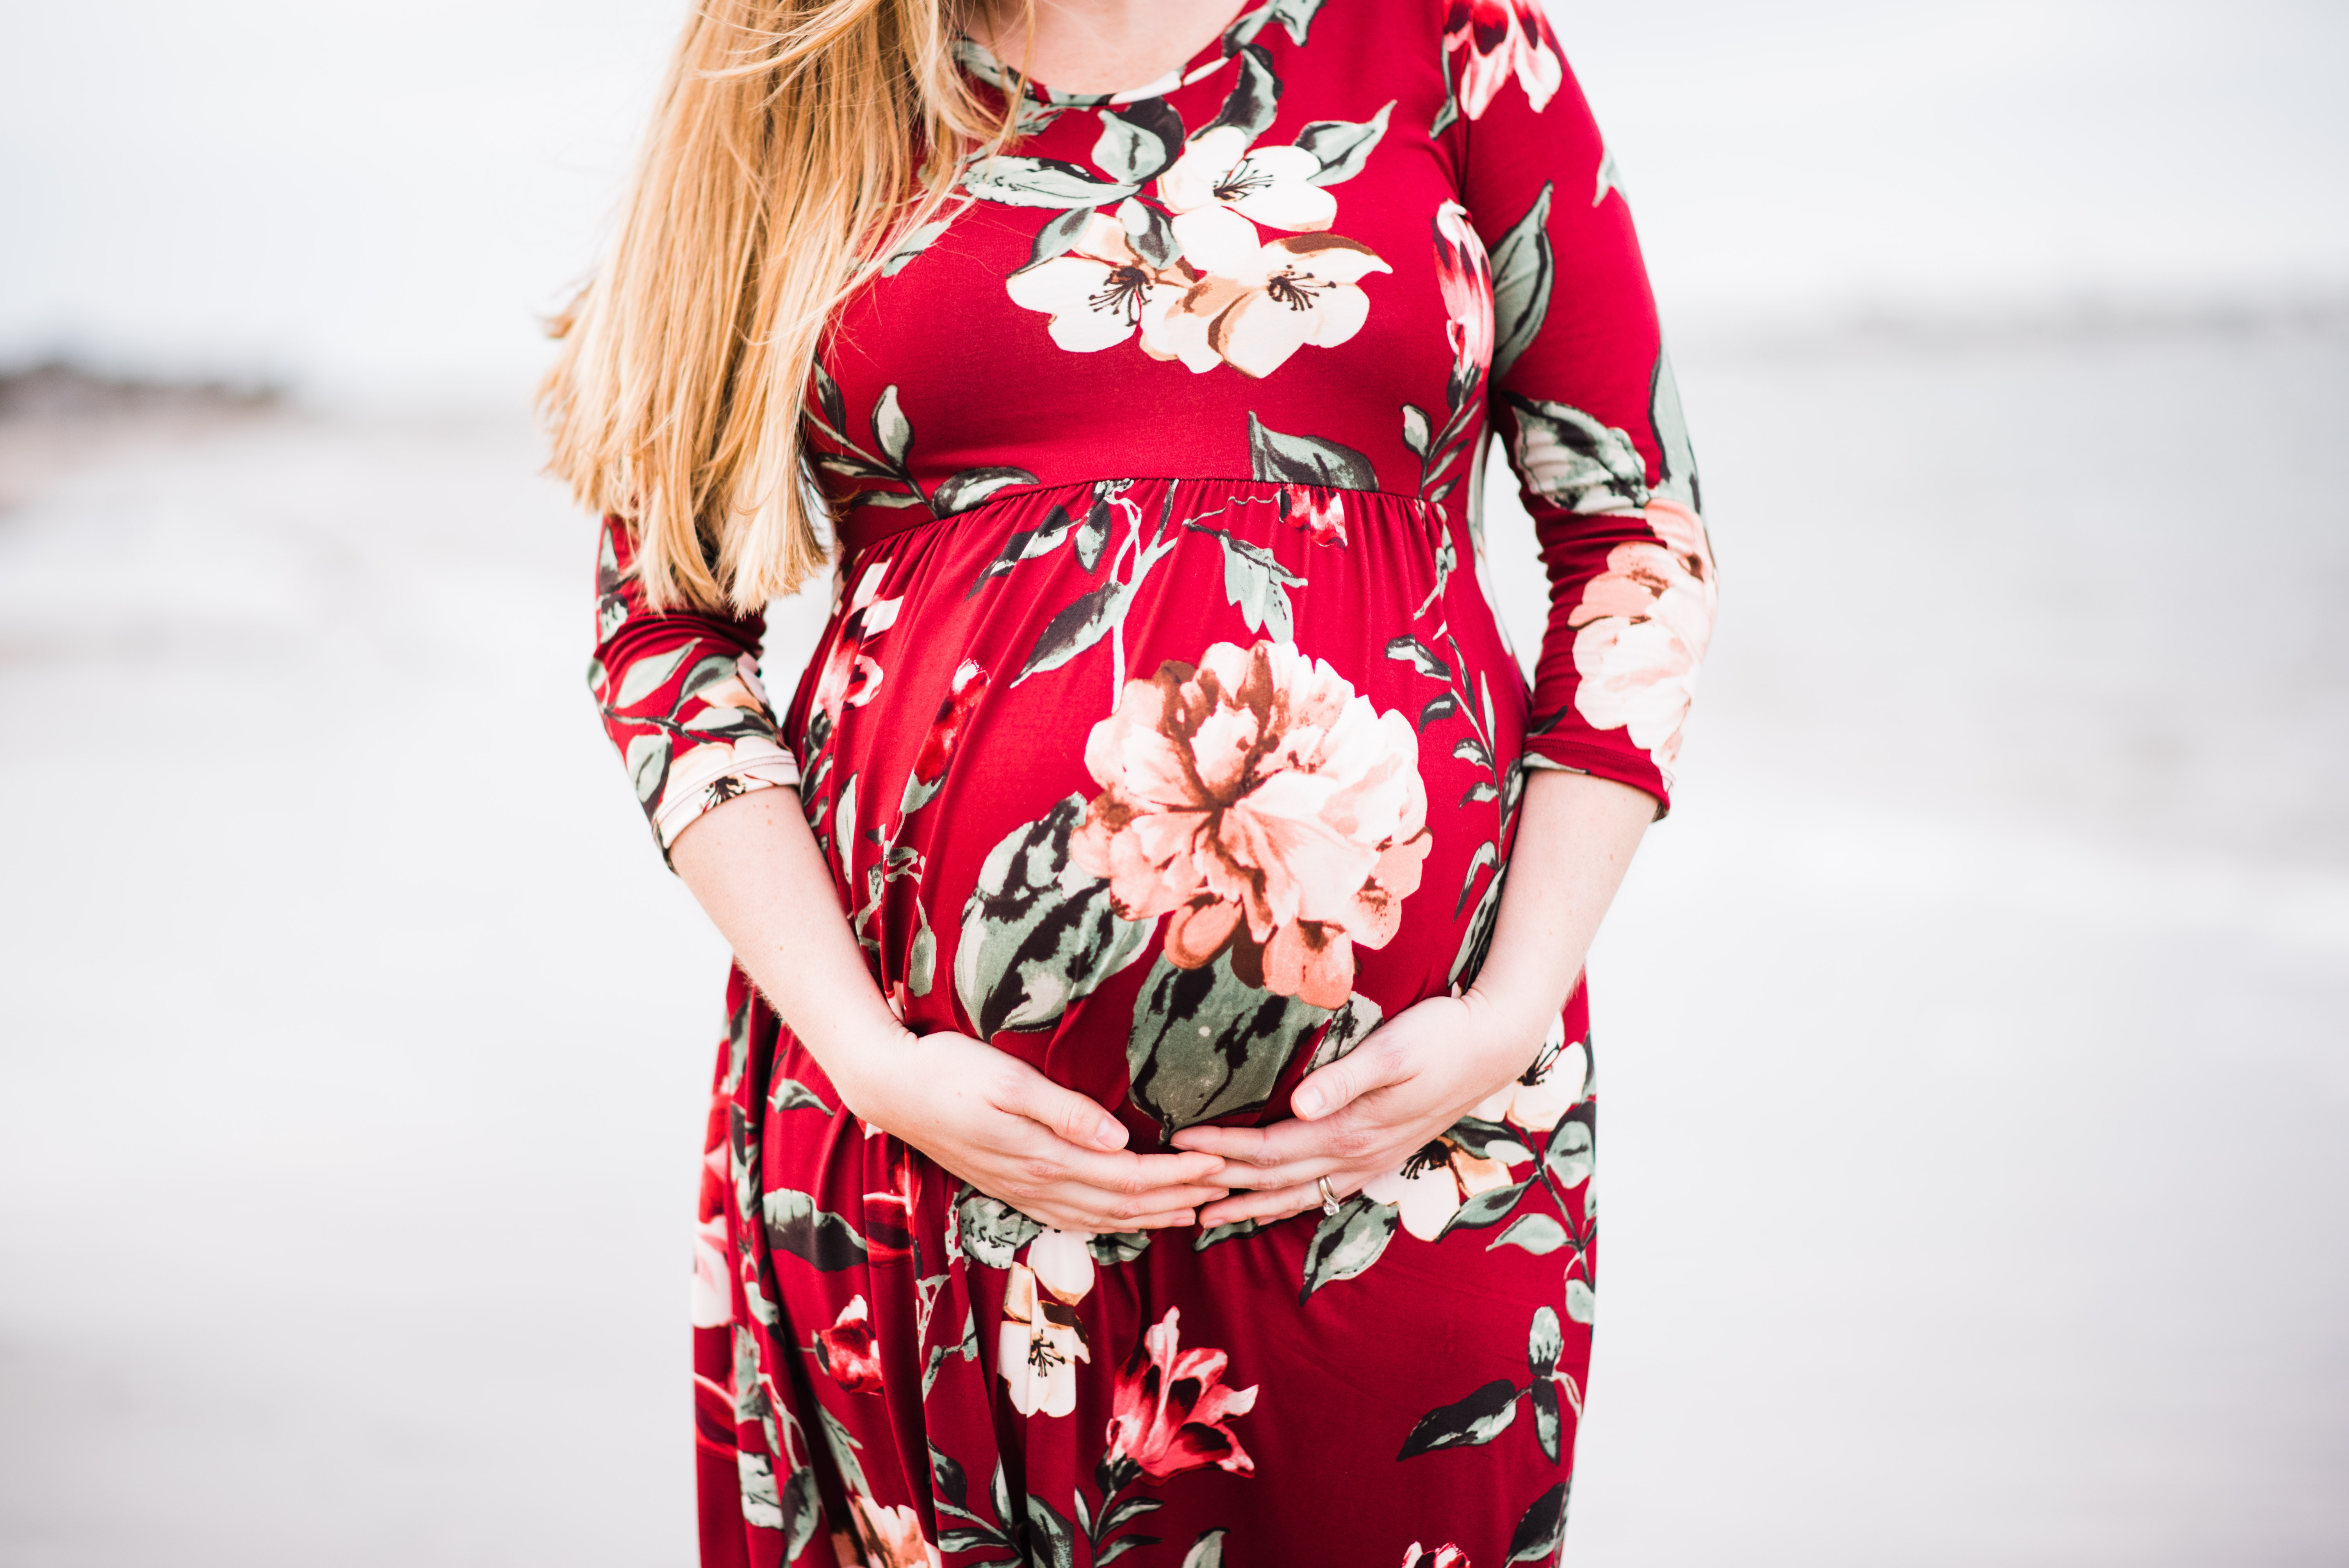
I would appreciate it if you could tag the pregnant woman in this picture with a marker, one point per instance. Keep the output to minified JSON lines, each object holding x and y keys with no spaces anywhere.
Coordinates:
{"x":1155,"y":1118}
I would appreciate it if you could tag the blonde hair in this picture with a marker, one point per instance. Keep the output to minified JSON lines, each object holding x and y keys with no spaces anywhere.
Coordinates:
{"x":795,"y":144}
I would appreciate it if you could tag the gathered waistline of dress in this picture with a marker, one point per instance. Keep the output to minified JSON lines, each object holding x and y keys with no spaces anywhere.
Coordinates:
{"x":854,"y":538}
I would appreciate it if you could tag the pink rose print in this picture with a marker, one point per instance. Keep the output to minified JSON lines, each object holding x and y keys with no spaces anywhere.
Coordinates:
{"x":1498,"y":37}
{"x":1464,"y":274}
{"x":938,"y":747}
{"x":1266,"y":806}
{"x":846,"y":1350}
{"x":713,"y":1295}
{"x":852,"y":677}
{"x":1644,"y":623}
{"x":1170,"y":1407}
{"x":1321,"y":513}
{"x":885,"y":1537}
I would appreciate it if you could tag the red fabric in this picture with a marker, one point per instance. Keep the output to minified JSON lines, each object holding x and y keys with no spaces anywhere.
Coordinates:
{"x":1164,"y":736}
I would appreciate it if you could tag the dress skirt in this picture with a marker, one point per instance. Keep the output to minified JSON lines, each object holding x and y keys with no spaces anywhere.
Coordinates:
{"x":1173,"y":789}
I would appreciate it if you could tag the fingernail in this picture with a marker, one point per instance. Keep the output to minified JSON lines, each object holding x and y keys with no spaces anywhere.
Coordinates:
{"x":1107,"y":1133}
{"x":1307,"y":1103}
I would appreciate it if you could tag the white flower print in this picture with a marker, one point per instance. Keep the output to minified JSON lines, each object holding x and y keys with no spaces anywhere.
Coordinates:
{"x":1037,"y":1348}
{"x":1554,"y":1084}
{"x":1434,"y":1183}
{"x":1259,"y":303}
{"x":1098,"y":293}
{"x":1273,"y":185}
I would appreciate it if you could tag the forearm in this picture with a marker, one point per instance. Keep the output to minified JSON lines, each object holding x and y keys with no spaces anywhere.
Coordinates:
{"x":754,"y":864}
{"x":1575,"y":840}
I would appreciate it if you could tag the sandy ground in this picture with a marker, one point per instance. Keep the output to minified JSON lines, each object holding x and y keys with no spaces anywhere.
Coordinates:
{"x":1977,"y":1109}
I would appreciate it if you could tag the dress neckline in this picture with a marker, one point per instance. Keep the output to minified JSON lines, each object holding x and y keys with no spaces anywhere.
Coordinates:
{"x":1205,"y":62}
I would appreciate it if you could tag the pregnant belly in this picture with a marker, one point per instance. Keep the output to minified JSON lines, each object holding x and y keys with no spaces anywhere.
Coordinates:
{"x":1173,"y":789}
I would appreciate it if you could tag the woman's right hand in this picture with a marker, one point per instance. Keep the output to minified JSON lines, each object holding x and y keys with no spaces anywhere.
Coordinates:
{"x":998,"y":1124}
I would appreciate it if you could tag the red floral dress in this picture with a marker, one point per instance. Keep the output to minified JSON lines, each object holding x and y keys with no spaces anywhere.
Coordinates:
{"x":1164,"y":736}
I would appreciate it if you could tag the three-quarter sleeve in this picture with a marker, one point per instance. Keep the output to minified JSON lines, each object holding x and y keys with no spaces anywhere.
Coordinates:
{"x":681,"y":697}
{"x":1582,"y":398}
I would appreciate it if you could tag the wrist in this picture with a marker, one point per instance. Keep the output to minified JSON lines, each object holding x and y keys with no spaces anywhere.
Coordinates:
{"x":1511,"y":1024}
{"x":864,"y":1062}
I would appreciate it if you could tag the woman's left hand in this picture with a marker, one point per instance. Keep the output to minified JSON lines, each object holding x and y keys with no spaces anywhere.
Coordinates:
{"x":1366,"y":1113}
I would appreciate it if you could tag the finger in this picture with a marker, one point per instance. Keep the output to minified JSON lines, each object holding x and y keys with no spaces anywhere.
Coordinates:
{"x":1345,"y":1080}
{"x":1279,"y":1204}
{"x":1292,"y":1173}
{"x":1282,"y":1143}
{"x":1137,"y":1174}
{"x":1069,"y":1115}
{"x":1103,"y":1208}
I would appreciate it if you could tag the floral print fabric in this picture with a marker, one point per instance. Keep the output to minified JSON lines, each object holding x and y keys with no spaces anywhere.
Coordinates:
{"x":1163,"y":736}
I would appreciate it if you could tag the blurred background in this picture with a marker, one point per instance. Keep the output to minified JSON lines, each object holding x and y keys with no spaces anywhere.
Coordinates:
{"x":1976,"y":1099}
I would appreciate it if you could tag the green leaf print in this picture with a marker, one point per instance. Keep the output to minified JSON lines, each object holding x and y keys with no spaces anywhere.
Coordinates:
{"x":1572,"y":460}
{"x":960,"y":492}
{"x":828,"y":399}
{"x":843,"y":1445}
{"x":1523,"y":273}
{"x":1207,"y":1552}
{"x":992,"y":1230}
{"x":1417,"y":431}
{"x":1485,"y":1209}
{"x":1138,"y":141}
{"x":1679,"y":482}
{"x":1060,"y":235}
{"x":1280,"y":459}
{"x":1296,"y":15}
{"x":891,"y":427}
{"x":1477,"y":941}
{"x":1256,"y":581}
{"x":1544,"y":1344}
{"x":1207,"y":1044}
{"x":1227,"y":1232}
{"x":1571,"y":1148}
{"x":1443,"y":706}
{"x":1348,"y":1243}
{"x":790,"y":1094}
{"x":1541,"y":1530}
{"x":1039,"y":932}
{"x":1090,"y":617}
{"x":1470,"y":1423}
{"x":760,"y":1506}
{"x":1040,"y":182}
{"x":1342,"y":146}
{"x":1348,"y":1026}
{"x":946,"y":1475}
{"x":823,"y":1238}
{"x":917,"y":240}
{"x":1149,"y":232}
{"x":647,"y":764}
{"x":802,"y":1510}
{"x":1118,"y":1246}
{"x":1422,"y":658}
{"x":1027,"y":545}
{"x":647,"y":675}
{"x":1548,"y":1425}
{"x":1049,"y":1542}
{"x":1255,"y":97}
{"x":1536,"y":1233}
{"x":1582,"y":1301}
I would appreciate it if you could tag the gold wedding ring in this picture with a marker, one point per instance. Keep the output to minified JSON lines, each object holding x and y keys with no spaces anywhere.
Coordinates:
{"x":1328,"y":1197}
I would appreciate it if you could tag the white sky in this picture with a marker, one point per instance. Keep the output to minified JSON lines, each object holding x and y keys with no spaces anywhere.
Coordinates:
{"x":372,"y":202}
